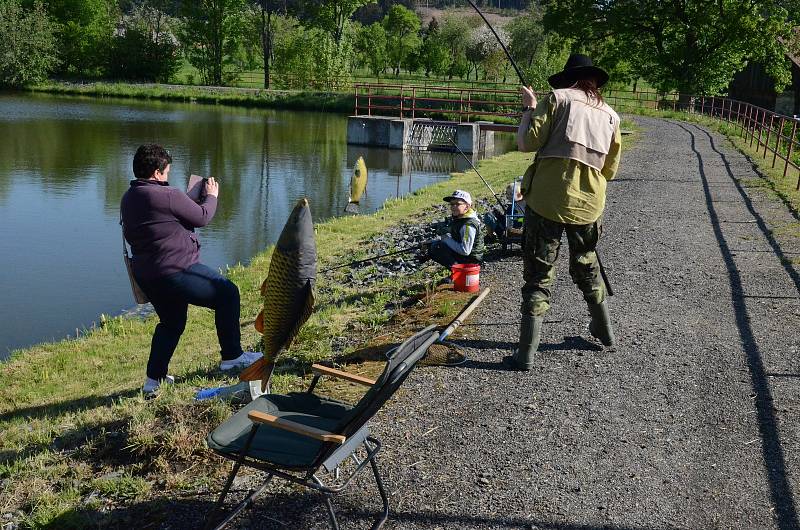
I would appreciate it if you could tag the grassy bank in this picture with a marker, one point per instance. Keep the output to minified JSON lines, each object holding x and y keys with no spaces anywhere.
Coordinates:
{"x":80,"y":447}
{"x":247,"y":97}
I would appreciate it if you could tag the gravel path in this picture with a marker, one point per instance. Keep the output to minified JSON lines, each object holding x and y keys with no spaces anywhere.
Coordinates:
{"x":690,"y":423}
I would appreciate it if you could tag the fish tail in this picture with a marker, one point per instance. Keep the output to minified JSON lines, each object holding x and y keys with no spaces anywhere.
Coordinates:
{"x":253,"y":372}
{"x":352,"y":207}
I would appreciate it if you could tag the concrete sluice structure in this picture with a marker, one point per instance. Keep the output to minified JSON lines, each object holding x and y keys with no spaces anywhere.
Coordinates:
{"x":419,"y":134}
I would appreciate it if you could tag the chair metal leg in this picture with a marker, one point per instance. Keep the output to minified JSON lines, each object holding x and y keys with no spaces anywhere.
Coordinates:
{"x":229,"y":482}
{"x":385,"y":514}
{"x":331,"y":513}
{"x":328,"y":505}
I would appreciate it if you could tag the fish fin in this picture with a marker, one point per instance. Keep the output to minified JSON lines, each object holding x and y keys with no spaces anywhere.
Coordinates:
{"x":267,"y":375}
{"x":259,"y":323}
{"x":252,"y":372}
{"x":352,"y":207}
{"x":264,"y":286}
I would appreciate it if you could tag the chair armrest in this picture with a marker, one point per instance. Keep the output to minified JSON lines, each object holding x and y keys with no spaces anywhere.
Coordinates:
{"x":353,"y":378}
{"x":297,"y":428}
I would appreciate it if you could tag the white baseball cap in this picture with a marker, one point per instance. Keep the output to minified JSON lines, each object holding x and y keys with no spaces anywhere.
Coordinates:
{"x":461,"y":195}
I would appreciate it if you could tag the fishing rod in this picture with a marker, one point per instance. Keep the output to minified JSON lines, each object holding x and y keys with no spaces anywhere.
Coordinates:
{"x":510,"y":59}
{"x":496,"y":196}
{"x":609,"y":289}
{"x":379,"y":256}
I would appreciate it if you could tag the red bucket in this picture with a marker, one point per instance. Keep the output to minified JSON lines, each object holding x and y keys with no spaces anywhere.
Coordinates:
{"x":466,"y":277}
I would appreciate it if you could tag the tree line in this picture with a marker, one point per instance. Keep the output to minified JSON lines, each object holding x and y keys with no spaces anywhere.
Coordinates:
{"x":691,"y":46}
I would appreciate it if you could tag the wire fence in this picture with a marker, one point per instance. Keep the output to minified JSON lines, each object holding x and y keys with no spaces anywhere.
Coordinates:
{"x":769,"y":133}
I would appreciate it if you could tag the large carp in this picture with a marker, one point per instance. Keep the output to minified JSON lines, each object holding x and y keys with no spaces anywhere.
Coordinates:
{"x":288,"y":291}
{"x":358,"y":184}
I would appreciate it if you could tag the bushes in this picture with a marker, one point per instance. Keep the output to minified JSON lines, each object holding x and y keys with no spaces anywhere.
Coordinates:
{"x":29,"y":44}
{"x":136,"y":56}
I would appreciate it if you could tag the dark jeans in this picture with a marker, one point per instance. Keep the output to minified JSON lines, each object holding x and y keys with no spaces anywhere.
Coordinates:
{"x":171,"y":296}
{"x":542,"y":244}
{"x":447,"y":257}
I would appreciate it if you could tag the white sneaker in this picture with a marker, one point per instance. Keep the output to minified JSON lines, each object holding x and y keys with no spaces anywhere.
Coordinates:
{"x":151,"y":385}
{"x":243,"y":361}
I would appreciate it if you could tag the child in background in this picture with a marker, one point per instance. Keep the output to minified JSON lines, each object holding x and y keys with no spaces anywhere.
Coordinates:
{"x":496,"y":221}
{"x":462,"y":241}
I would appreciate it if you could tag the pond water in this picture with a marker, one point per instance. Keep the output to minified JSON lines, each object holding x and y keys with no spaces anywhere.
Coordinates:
{"x":65,"y":163}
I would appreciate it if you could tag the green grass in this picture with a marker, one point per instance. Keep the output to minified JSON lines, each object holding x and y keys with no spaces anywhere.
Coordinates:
{"x":77,"y":437}
{"x":284,"y":99}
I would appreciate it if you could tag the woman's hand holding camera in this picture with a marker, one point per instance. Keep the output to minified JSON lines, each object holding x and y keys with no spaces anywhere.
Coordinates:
{"x":212,"y":187}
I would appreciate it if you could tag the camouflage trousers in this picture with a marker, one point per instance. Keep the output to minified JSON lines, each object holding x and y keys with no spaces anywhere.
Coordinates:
{"x":542,"y":239}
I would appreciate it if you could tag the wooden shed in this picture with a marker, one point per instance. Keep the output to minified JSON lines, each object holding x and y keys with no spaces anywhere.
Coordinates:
{"x":754,"y":85}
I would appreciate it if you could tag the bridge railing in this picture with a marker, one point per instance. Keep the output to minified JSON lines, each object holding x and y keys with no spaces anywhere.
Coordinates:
{"x":769,"y":133}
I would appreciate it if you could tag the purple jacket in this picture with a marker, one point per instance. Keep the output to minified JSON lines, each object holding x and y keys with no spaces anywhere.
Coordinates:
{"x":159,"y":222}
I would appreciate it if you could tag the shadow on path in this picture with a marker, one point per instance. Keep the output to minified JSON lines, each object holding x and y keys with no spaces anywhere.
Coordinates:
{"x":772,"y":450}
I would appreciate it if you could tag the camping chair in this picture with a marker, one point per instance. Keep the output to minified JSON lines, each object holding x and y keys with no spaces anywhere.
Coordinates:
{"x":513,"y":234}
{"x":299,"y":435}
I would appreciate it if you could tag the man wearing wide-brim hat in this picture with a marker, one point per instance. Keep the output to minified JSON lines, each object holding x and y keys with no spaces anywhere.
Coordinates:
{"x":576,"y":137}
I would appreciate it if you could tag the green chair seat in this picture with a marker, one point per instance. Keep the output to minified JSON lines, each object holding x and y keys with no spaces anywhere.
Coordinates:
{"x":282,"y":448}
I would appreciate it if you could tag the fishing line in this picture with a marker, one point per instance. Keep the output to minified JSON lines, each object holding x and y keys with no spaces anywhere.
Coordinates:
{"x":499,"y":201}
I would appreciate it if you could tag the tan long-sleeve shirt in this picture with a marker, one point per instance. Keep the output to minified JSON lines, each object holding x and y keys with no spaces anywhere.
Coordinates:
{"x":562,"y":189}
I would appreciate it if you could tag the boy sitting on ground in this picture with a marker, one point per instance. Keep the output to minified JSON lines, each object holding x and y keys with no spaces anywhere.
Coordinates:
{"x":461,"y":241}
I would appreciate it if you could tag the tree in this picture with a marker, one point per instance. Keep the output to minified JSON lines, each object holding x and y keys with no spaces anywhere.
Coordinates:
{"x":86,"y":28}
{"x":691,"y":46}
{"x":433,"y":55}
{"x":29,"y":44}
{"x":402,"y":27}
{"x":145,"y":48}
{"x":454,"y":33}
{"x":211,"y":35}
{"x":309,"y":57}
{"x":333,"y":15}
{"x":539,"y":53}
{"x":370,"y":47}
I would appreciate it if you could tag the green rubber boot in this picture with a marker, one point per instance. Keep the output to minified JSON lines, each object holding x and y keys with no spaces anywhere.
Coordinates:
{"x":529,"y":330}
{"x":600,"y":326}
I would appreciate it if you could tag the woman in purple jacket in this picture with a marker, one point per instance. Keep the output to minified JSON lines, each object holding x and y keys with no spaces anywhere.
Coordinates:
{"x":158,"y":223}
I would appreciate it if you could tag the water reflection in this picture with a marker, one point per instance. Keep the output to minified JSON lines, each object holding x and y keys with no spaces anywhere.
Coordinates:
{"x":65,"y":163}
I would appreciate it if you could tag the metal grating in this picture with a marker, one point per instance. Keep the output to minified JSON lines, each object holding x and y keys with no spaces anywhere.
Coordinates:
{"x":431,"y":135}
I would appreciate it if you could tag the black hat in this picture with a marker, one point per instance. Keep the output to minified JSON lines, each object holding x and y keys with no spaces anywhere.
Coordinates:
{"x":578,"y":67}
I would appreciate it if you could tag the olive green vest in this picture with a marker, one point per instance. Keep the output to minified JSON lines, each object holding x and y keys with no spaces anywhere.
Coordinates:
{"x":455,"y":232}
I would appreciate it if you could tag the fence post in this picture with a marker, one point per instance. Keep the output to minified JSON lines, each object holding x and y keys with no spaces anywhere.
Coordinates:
{"x":777,"y":142}
{"x":413,"y":102}
{"x":369,"y":100}
{"x":753,"y":132}
{"x":739,"y":119}
{"x":401,"y":101}
{"x":769,"y":134}
{"x":791,"y":148}
{"x":355,"y":88}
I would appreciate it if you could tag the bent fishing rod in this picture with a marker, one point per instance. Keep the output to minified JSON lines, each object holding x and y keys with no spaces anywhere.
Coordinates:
{"x":496,"y":36}
{"x":609,"y":289}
